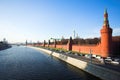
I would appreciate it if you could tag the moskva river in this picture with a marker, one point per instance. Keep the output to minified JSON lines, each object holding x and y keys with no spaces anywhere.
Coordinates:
{"x":24,"y":63}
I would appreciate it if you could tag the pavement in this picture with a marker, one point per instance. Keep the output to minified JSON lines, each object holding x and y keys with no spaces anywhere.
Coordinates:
{"x":94,"y":61}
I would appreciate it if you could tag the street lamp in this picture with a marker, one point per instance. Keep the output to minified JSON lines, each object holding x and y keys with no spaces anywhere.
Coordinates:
{"x":90,"y":55}
{"x":55,"y":39}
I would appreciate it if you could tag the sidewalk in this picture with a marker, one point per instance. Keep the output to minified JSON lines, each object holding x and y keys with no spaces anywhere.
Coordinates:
{"x":96,"y":62}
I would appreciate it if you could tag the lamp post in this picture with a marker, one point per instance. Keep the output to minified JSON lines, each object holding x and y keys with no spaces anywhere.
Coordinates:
{"x":90,"y":55}
{"x":55,"y":41}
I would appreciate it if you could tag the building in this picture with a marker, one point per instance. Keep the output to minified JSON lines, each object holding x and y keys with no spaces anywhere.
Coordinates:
{"x":108,"y":45}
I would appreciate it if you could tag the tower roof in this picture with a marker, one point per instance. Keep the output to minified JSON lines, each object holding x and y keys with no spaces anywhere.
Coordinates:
{"x":106,"y":21}
{"x":105,"y":11}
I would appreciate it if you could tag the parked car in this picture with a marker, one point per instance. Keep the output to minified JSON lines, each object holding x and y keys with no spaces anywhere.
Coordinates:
{"x":108,"y":60}
{"x":115,"y":61}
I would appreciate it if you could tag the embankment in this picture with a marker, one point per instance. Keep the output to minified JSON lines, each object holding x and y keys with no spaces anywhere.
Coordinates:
{"x":101,"y":72}
{"x":3,"y":47}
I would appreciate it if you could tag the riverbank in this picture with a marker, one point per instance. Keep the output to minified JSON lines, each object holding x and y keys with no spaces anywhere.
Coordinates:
{"x":24,"y":63}
{"x":98,"y":71}
{"x":4,"y":46}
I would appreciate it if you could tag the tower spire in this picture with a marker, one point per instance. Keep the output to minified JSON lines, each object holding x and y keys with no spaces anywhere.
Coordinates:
{"x":106,"y":21}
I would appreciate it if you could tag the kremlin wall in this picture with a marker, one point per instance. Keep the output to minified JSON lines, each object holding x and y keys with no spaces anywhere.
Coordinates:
{"x":108,"y":45}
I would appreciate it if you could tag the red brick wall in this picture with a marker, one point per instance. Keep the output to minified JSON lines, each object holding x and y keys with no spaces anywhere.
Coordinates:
{"x":96,"y":49}
{"x":61,"y":46}
{"x":52,"y":45}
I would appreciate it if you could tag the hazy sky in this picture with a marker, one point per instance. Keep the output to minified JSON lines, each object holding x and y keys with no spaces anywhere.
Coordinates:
{"x":38,"y":20}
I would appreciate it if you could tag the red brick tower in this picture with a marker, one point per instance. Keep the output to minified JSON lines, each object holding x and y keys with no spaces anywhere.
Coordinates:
{"x":55,"y":43}
{"x":106,"y":37}
{"x":69,"y":44}
{"x":48,"y":43}
{"x":44,"y":43}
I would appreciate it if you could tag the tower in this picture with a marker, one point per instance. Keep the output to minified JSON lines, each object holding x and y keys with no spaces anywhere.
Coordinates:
{"x":106,"y":37}
{"x":69,"y":44}
{"x":55,"y":43}
{"x":48,"y":43}
{"x":44,"y":43}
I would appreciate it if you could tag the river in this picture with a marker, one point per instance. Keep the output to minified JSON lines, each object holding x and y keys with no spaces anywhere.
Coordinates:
{"x":24,"y":63}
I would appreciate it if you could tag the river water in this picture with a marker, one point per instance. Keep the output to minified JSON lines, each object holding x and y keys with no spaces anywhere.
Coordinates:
{"x":23,"y":63}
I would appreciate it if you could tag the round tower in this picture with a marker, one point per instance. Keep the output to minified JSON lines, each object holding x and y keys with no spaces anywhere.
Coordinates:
{"x":106,"y":37}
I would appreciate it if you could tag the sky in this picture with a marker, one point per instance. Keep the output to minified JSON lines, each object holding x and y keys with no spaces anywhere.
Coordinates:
{"x":39,"y":20}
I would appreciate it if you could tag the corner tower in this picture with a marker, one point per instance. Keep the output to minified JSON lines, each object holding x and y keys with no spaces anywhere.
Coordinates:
{"x":106,"y":37}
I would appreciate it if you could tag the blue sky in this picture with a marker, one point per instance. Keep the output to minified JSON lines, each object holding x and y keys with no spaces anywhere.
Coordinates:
{"x":38,"y":20}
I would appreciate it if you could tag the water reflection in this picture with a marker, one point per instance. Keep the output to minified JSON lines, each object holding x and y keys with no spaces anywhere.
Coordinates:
{"x":22,"y":63}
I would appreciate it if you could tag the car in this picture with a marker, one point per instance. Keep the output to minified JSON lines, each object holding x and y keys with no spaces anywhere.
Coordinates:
{"x":115,"y":61}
